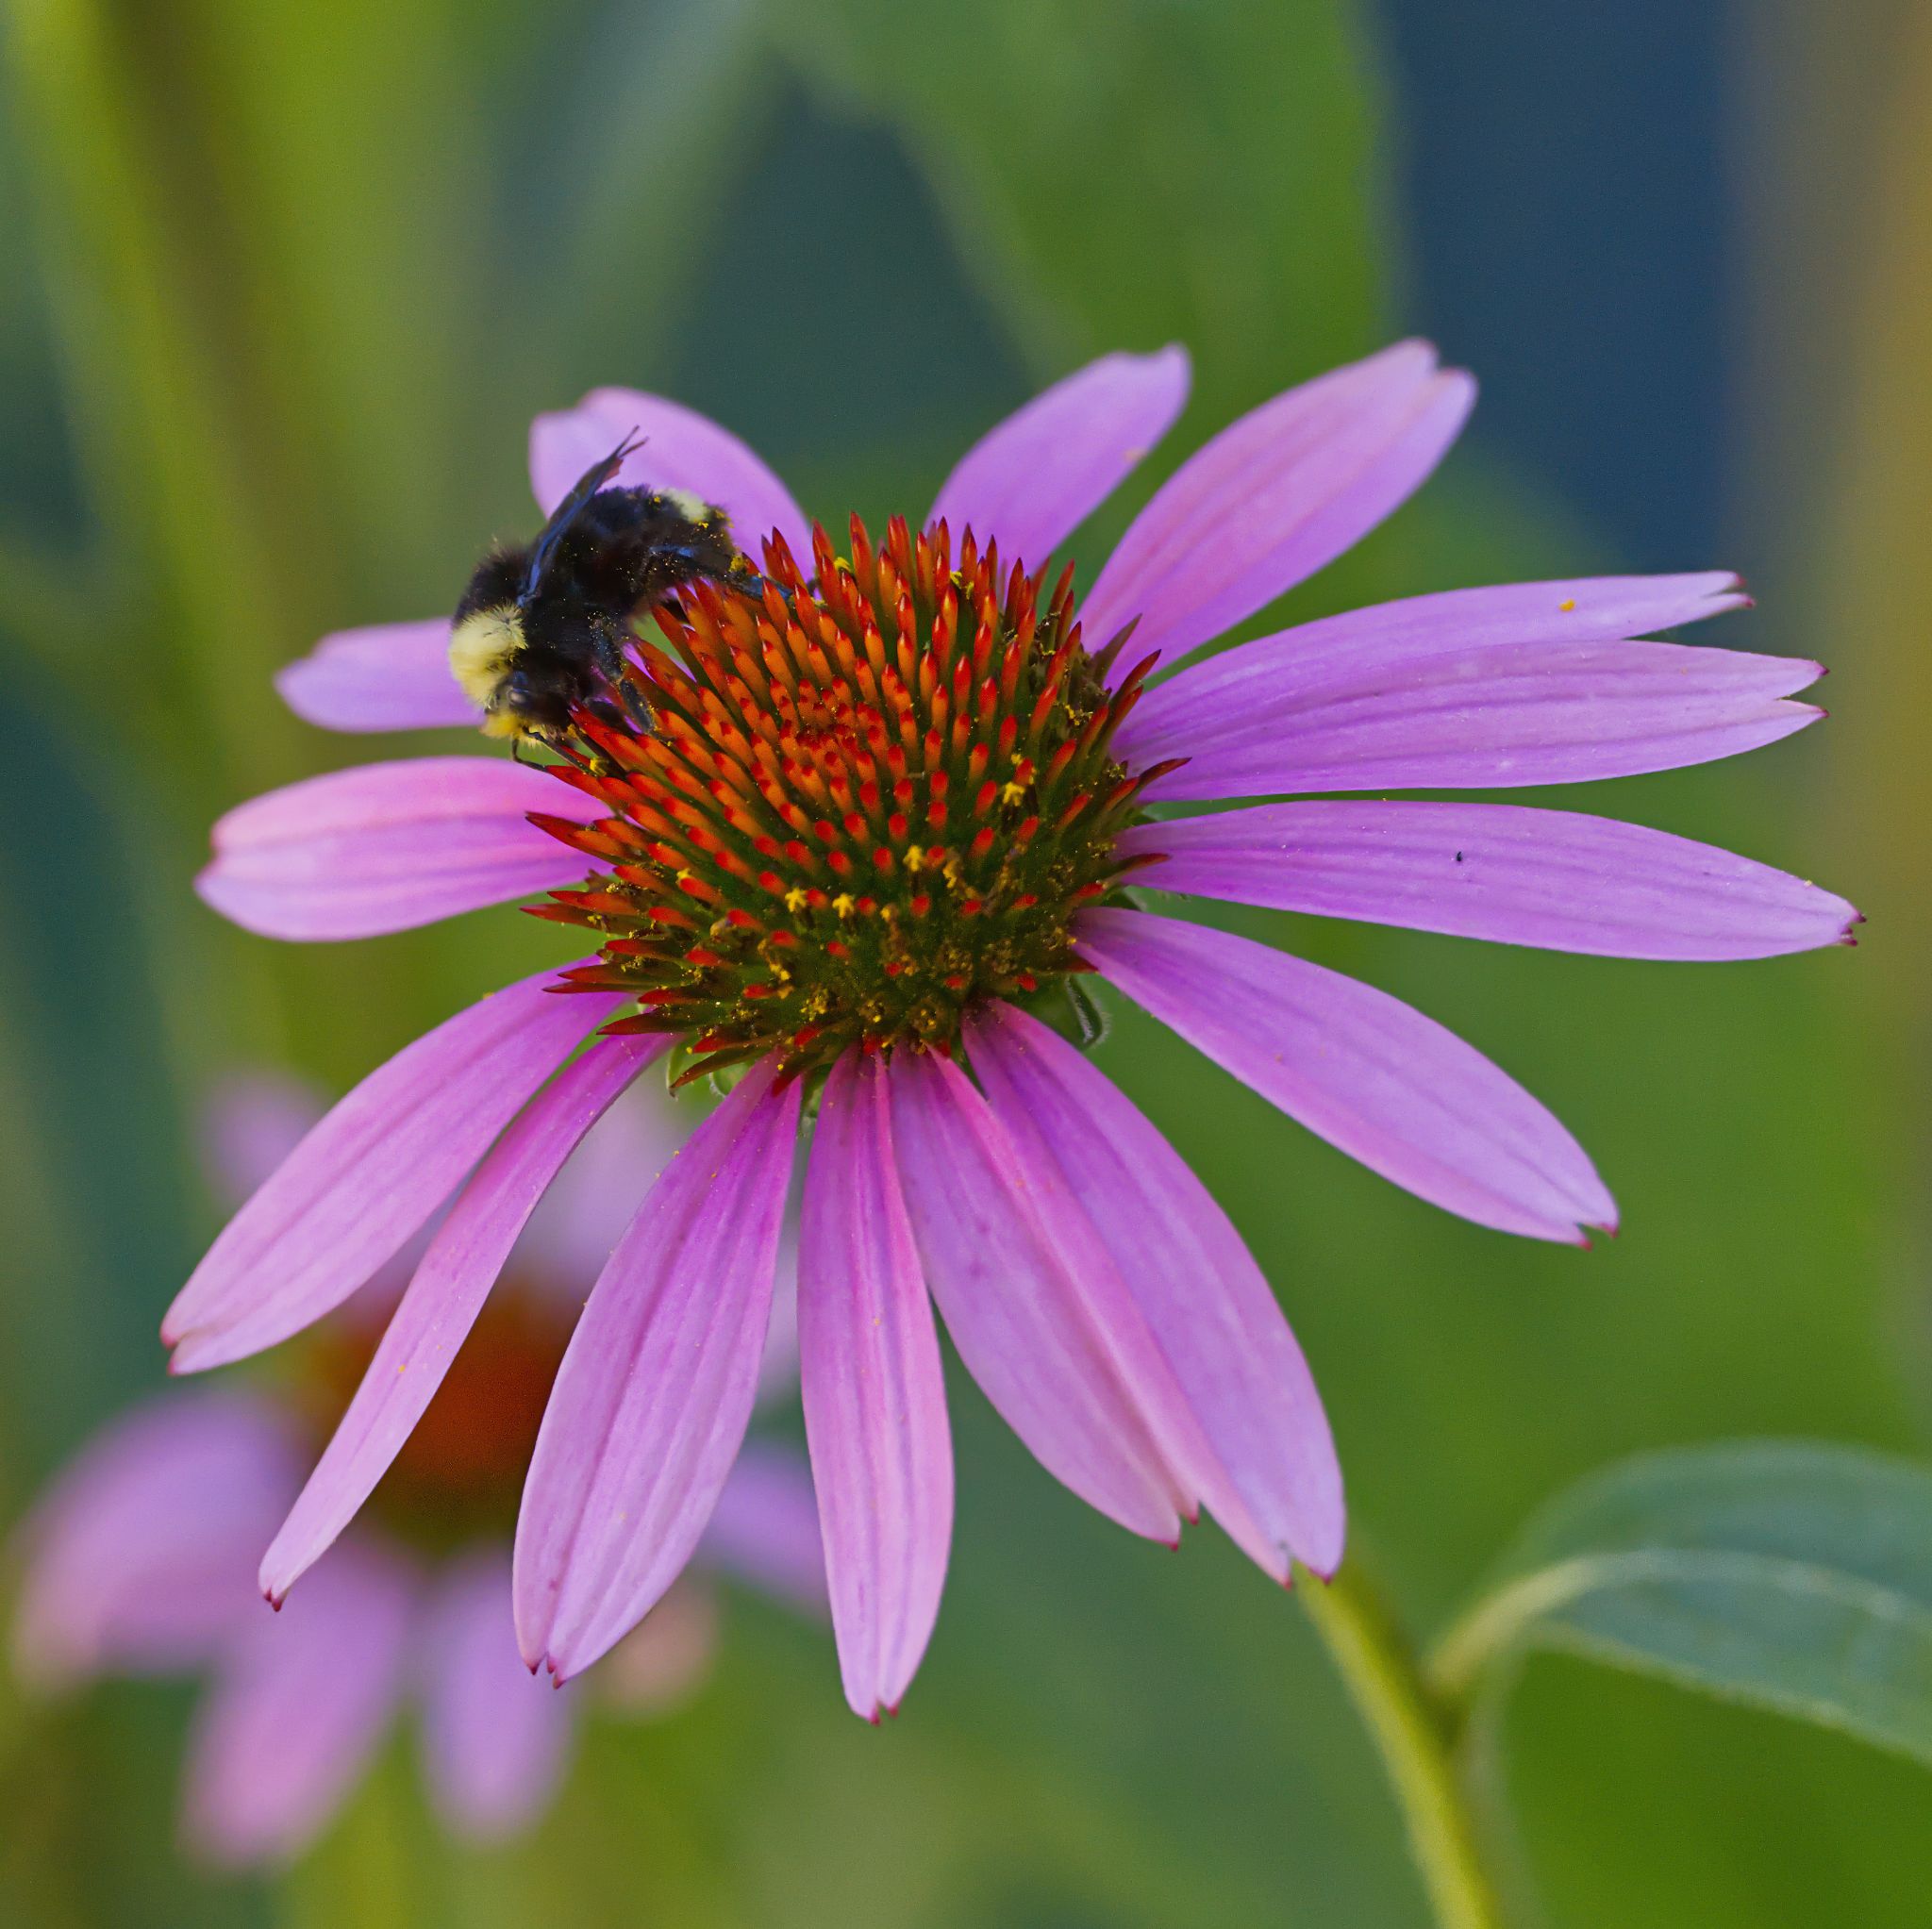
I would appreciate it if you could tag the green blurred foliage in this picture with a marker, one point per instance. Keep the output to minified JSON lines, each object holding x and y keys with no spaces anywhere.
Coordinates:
{"x":287,"y":285}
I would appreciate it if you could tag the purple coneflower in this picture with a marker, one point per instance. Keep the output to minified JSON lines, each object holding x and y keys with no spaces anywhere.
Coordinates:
{"x":142,"y":1558}
{"x":884,"y":814}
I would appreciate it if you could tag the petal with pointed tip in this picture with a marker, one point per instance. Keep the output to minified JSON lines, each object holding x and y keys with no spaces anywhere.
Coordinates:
{"x":1218,"y":1323}
{"x":875,"y":1395}
{"x":1362,"y":1069}
{"x":655,"y":1393}
{"x":375,"y":1168}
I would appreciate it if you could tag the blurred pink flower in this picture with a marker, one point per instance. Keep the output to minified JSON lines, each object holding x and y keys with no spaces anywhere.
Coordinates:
{"x":881,"y":811}
{"x":142,"y":1558}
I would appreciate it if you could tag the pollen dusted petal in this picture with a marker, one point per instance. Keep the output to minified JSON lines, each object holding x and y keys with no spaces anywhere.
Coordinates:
{"x":874,"y":1394}
{"x":1364,"y":642}
{"x":389,"y":846}
{"x":1361,"y":1068}
{"x":679,"y":448}
{"x":1218,"y":1323}
{"x":301,"y":1702}
{"x":1276,"y":496}
{"x":390,"y":676}
{"x":654,"y":1396}
{"x":1493,"y":717}
{"x":1553,"y":878}
{"x":1032,"y":481}
{"x":443,"y":1299}
{"x":372,"y":1172}
{"x":1037,"y":1312}
{"x":495,"y":1740}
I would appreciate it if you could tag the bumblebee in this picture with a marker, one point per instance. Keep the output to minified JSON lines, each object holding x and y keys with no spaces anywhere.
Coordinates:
{"x":541,"y":628}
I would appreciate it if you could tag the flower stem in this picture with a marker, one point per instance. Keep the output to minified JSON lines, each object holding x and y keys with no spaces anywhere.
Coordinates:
{"x":1411,"y":1732}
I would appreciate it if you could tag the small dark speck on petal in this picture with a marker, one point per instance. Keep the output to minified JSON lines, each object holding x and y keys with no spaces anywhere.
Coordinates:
{"x":1458,"y":856}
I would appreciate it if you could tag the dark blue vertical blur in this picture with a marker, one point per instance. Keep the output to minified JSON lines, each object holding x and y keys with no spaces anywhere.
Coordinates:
{"x":1562,"y":175}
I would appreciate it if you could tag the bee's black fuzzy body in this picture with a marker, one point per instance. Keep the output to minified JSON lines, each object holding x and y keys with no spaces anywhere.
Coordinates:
{"x":541,"y":630}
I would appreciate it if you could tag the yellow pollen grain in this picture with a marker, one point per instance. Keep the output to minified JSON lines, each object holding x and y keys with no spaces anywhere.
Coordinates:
{"x":843,"y":904}
{"x":796,"y":900}
{"x":1014,"y":794}
{"x":1568,"y":602}
{"x":915,"y":856}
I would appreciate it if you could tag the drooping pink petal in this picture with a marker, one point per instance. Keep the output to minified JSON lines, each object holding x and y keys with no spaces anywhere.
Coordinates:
{"x":1361,"y":1068}
{"x":1498,"y":717}
{"x":779,"y":1369}
{"x":765,"y":1527}
{"x":393,"y":676}
{"x":652,"y":1401}
{"x":681,"y":449}
{"x":443,"y":1299}
{"x":389,"y":846}
{"x":875,"y":1395}
{"x":137,"y":1557}
{"x":251,"y":1123}
{"x":495,"y":1738}
{"x":1033,"y":480}
{"x":1039,"y":1311}
{"x":1217,"y":1321}
{"x":1276,"y":496}
{"x":1554,"y":878}
{"x":300,"y":1704}
{"x":374,"y":1171}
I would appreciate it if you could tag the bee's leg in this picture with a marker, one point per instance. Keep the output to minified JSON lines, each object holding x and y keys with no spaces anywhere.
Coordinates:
{"x":617,"y":673}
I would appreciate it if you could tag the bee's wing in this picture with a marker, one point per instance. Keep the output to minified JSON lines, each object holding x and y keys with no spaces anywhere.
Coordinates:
{"x":586,"y":485}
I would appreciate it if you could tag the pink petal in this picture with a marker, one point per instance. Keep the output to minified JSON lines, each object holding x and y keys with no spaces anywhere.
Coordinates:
{"x":1275,"y":495}
{"x":393,"y":676}
{"x":1201,"y":1294}
{"x":137,"y":1557}
{"x":654,"y":1396}
{"x":372,"y":1172}
{"x":682,"y":449}
{"x":295,"y":1716}
{"x":765,"y":1527}
{"x":444,"y":1297}
{"x":494,"y":1739}
{"x":389,"y":846}
{"x":1360,"y":642}
{"x":1038,"y":1311}
{"x":1499,"y":717}
{"x":1359,"y":1068}
{"x":875,"y":1395}
{"x":250,"y":1125}
{"x":1545,"y":878}
{"x":1033,"y":480}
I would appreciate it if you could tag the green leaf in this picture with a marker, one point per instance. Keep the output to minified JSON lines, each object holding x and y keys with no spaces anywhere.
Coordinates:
{"x":1129,"y":172}
{"x":1793,"y":1576}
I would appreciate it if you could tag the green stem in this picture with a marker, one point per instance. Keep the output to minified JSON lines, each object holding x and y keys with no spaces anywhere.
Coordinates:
{"x":1412,"y":1733}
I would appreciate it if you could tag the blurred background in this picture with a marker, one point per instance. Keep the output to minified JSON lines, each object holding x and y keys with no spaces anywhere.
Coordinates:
{"x":284,"y":286}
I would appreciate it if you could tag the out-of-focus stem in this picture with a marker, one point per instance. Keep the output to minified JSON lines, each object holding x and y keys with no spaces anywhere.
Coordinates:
{"x":1412,"y":1735}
